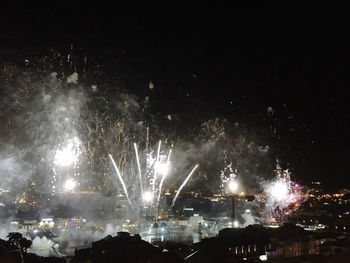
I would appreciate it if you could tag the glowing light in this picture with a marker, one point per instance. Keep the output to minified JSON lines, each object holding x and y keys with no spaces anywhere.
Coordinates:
{"x":235,"y":224}
{"x":148,"y":196}
{"x":279,"y":191}
{"x":233,"y":186}
{"x":68,"y":155}
{"x":164,"y":173}
{"x":227,"y":175}
{"x":263,"y":257}
{"x":70,"y":185}
{"x":162,"y":168}
{"x":283,"y":196}
{"x":47,"y":222}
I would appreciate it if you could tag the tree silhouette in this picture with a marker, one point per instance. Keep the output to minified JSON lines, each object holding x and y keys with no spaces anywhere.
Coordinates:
{"x":16,"y":239}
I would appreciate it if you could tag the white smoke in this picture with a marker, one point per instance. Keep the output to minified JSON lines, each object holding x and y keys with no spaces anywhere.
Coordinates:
{"x":249,"y":219}
{"x":15,"y":171}
{"x":73,"y":78}
{"x":42,"y":246}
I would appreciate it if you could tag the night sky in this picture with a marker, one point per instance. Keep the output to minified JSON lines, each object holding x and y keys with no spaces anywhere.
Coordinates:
{"x":206,"y":61}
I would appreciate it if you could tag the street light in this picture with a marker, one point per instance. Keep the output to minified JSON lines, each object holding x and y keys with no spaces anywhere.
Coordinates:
{"x":147,"y":207}
{"x":233,"y":187}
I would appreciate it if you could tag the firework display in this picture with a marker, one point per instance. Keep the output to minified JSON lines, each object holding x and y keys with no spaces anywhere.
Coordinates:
{"x":172,"y":133}
{"x":283,"y":195}
{"x":81,"y":141}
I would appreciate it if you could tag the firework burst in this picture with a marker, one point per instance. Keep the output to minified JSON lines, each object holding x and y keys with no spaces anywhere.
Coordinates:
{"x":283,"y":195}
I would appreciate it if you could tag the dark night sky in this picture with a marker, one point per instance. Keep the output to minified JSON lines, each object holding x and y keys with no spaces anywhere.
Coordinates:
{"x":296,"y":61}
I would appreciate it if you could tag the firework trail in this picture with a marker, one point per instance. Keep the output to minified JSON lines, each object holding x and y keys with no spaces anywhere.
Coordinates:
{"x":183,"y":184}
{"x":139,"y":167}
{"x":156,"y":167}
{"x":120,"y":178}
{"x":163,"y":178}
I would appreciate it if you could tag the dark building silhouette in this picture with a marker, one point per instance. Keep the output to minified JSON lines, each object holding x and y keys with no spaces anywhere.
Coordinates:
{"x":255,"y":243}
{"x":124,"y":248}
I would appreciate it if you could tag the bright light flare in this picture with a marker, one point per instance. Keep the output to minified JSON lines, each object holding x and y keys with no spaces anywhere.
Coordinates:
{"x":70,"y":185}
{"x":232,"y":186}
{"x":279,"y":191}
{"x":162,"y":168}
{"x":164,"y":173}
{"x":68,"y":155}
{"x":148,"y":196}
{"x":283,"y":196}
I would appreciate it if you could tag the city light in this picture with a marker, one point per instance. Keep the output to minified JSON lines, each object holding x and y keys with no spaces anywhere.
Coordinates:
{"x":263,"y":257}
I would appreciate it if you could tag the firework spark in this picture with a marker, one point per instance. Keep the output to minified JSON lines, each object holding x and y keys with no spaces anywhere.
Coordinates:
{"x":147,"y":197}
{"x":228,"y":179}
{"x":164,"y":172}
{"x":279,"y":190}
{"x":69,"y":154}
{"x":156,"y":167}
{"x":183,"y":184}
{"x":282,"y":194}
{"x":120,"y":178}
{"x":139,"y":168}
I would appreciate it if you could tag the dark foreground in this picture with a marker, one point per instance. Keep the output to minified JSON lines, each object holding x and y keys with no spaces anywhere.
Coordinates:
{"x":254,"y":243}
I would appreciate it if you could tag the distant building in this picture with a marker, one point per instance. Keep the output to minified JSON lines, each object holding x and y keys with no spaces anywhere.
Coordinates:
{"x":341,"y":225}
{"x":232,"y":245}
{"x":126,"y":248}
{"x":29,"y":225}
{"x":195,"y":220}
{"x":256,"y":242}
{"x":338,"y":250}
